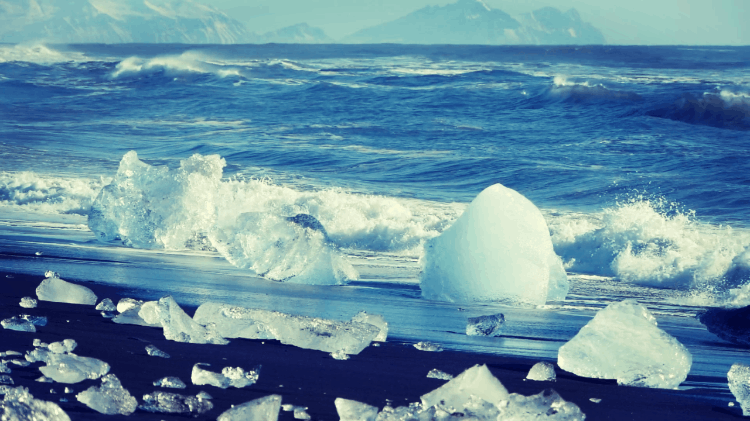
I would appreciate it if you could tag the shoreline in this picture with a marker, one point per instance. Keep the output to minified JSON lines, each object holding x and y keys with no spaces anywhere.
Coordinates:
{"x":393,"y":372}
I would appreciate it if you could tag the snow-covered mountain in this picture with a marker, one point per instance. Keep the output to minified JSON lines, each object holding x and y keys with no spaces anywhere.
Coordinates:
{"x":116,"y":21}
{"x":301,"y":33}
{"x":474,"y":22}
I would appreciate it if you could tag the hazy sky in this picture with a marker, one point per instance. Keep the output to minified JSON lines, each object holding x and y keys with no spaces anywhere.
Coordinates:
{"x":725,"y":22}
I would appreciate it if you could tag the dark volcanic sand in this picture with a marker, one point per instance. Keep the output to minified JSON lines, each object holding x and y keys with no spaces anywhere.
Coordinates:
{"x":394,"y":371}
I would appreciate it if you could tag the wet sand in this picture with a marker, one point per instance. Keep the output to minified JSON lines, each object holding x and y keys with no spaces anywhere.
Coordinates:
{"x":394,"y":371}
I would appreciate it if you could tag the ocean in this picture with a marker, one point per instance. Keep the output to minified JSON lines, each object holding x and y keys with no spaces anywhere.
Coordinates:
{"x":637,"y":156}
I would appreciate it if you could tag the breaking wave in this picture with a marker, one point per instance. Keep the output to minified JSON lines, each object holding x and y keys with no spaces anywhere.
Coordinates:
{"x":35,"y":53}
{"x":35,"y":192}
{"x":188,"y":63}
{"x":718,"y":108}
{"x":568,"y":90}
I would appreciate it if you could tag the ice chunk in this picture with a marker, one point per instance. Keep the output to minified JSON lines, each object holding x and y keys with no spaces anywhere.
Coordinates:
{"x":203,"y":395}
{"x":4,"y":367}
{"x":173,"y":403}
{"x":10,"y":353}
{"x":70,"y":368}
{"x":106,"y":305}
{"x":44,"y":379}
{"x":485,"y":325}
{"x":498,"y":250}
{"x":67,"y":345}
{"x":149,"y":312}
{"x":18,"y":323}
{"x":439,"y":374}
{"x":350,"y":410}
{"x":156,"y":352}
{"x":732,"y":325}
{"x":428,"y":346}
{"x":304,"y":332}
{"x":301,"y":414}
{"x":20,"y":405}
{"x":623,"y":342}
{"x":261,"y":409}
{"x":110,"y":398}
{"x":170,"y":382}
{"x":597,"y":400}
{"x":6,"y":379}
{"x":279,"y":249}
{"x":545,"y":405}
{"x":339,"y":355}
{"x":543,"y":372}
{"x":738,"y":378}
{"x":35,"y":320}
{"x":126,"y":304}
{"x":28,"y":302}
{"x":20,"y":363}
{"x":56,"y":290}
{"x":375,"y":320}
{"x":477,"y":381}
{"x":69,"y":390}
{"x":180,"y":327}
{"x":131,"y":317}
{"x":229,"y":376}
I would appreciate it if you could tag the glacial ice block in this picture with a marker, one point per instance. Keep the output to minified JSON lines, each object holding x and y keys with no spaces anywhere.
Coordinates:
{"x":738,"y":378}
{"x":18,"y":404}
{"x":71,"y":368}
{"x":350,"y":410}
{"x":304,"y":332}
{"x":56,"y":290}
{"x":477,"y":381}
{"x":375,"y":320}
{"x":623,"y":342}
{"x":170,"y":382}
{"x":498,"y":250}
{"x":485,"y":325}
{"x":110,"y":398}
{"x":180,"y":327}
{"x":261,"y":409}
{"x":173,"y":403}
{"x":542,"y":372}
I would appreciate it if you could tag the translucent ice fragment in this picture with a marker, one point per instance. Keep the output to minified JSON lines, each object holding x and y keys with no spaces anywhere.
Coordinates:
{"x":339,"y":355}
{"x":69,"y":390}
{"x":149,"y":312}
{"x":20,"y":405}
{"x":305,"y":332}
{"x":545,"y":405}
{"x":597,"y":400}
{"x":738,"y":378}
{"x":106,"y":305}
{"x":156,"y":352}
{"x":261,"y":409}
{"x":350,"y":410}
{"x":229,"y":376}
{"x":35,"y":320}
{"x":203,"y":395}
{"x":110,"y":398}
{"x":28,"y":302}
{"x":131,"y":317}
{"x":20,"y":363}
{"x":19,"y":324}
{"x":477,"y":381}
{"x":70,"y":368}
{"x":428,"y":346}
{"x":201,"y":376}
{"x":61,"y":347}
{"x":10,"y":353}
{"x":56,"y":290}
{"x":126,"y":304}
{"x":623,"y":342}
{"x":439,"y":374}
{"x":44,"y":379}
{"x":4,"y":369}
{"x":170,"y":382}
{"x":6,"y":379}
{"x":173,"y":403}
{"x":498,"y":250}
{"x":375,"y":320}
{"x":485,"y":325}
{"x":301,"y":414}
{"x":543,"y":372}
{"x":180,"y":327}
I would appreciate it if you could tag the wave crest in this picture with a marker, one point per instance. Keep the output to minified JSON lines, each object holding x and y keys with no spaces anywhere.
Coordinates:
{"x":47,"y":194}
{"x":718,"y":108}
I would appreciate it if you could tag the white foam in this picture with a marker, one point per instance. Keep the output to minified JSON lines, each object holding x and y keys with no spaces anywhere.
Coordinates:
{"x":189,"y":62}
{"x":36,"y":53}
{"x":48,"y":194}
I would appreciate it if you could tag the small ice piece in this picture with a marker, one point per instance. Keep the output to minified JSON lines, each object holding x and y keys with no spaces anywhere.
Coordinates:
{"x":44,"y":379}
{"x":498,"y":250}
{"x":623,"y":342}
{"x":539,"y":406}
{"x":110,"y":398}
{"x":200,"y":377}
{"x":180,"y":327}
{"x":108,"y":314}
{"x":156,"y":352}
{"x":70,"y":368}
{"x":339,"y":355}
{"x":38,"y":253}
{"x":542,"y":372}
{"x":477,"y":381}
{"x":56,"y":290}
{"x":20,"y":363}
{"x":240,"y":378}
{"x":37,"y":342}
{"x":261,"y":409}
{"x":485,"y":325}
{"x":126,"y":304}
{"x":428,"y":346}
{"x":350,"y":410}
{"x":61,"y":347}
{"x":4,"y":367}
{"x":19,"y":405}
{"x":6,"y":379}
{"x":170,"y":382}
{"x":597,"y":400}
{"x":173,"y":403}
{"x":36,"y":320}
{"x":131,"y":317}
{"x":106,"y":305}
{"x":19,"y":324}
{"x":304,"y":332}
{"x":28,"y":302}
{"x":69,"y":390}
{"x":375,"y":320}
{"x":439,"y":374}
{"x":37,"y":354}
{"x":738,"y":378}
{"x":287,"y":407}
{"x":204,"y":395}
{"x":9,"y":353}
{"x":300,"y":413}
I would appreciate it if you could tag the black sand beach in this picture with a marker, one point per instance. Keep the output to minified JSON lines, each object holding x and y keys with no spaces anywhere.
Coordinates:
{"x":395,"y":371}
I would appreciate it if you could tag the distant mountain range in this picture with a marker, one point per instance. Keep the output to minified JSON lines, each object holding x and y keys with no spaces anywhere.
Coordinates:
{"x":187,"y":21}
